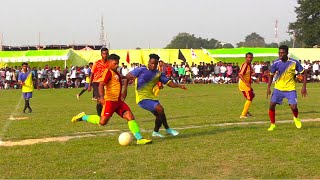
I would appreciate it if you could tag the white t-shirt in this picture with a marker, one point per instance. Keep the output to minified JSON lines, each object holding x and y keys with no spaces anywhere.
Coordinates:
{"x":195,"y":71}
{"x":8,"y":75}
{"x":315,"y":67}
{"x":56,"y":73}
{"x":257,"y":68}
{"x":223,"y":69}
{"x":124,"y":71}
{"x":73,"y":74}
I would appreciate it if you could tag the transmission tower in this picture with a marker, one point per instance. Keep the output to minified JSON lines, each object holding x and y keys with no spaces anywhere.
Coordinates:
{"x":276,"y":37}
{"x":102,"y":39}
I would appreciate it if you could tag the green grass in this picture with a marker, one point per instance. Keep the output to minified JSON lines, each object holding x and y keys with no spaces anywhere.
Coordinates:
{"x":237,"y":151}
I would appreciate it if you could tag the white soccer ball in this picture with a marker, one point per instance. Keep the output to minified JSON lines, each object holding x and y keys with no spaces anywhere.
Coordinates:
{"x":125,"y":139}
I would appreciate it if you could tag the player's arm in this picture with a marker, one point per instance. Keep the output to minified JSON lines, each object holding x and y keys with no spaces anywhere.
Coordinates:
{"x":19,"y":80}
{"x":124,"y":89}
{"x":129,"y":76}
{"x":101,"y":92}
{"x":106,"y":77}
{"x":270,"y":79}
{"x":304,"y":86}
{"x":174,"y":85}
{"x":91,"y":76}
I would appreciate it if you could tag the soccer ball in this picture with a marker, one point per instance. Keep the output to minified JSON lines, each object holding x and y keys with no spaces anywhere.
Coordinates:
{"x":125,"y":139}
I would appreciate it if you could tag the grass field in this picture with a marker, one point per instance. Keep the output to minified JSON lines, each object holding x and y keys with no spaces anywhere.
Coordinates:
{"x":206,"y":148}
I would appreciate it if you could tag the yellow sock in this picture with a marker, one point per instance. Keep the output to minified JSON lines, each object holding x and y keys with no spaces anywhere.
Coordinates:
{"x":246,"y":108}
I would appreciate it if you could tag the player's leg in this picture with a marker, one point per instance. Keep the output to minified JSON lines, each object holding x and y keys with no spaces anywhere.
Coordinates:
{"x":293,"y":103}
{"x":82,"y":91}
{"x":162,"y":116}
{"x":132,"y":124}
{"x":27,"y":97}
{"x":249,"y":95}
{"x":276,"y":98}
{"x":99,"y":107}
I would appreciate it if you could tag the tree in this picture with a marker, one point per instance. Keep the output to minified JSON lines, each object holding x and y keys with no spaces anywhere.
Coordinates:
{"x":252,"y":40}
{"x":307,"y":27}
{"x":290,"y":43}
{"x":186,"y":40}
{"x":272,"y":45}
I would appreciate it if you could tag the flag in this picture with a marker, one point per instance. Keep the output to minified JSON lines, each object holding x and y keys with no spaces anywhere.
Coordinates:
{"x":205,"y":51}
{"x":193,"y":54}
{"x":128,"y":58}
{"x":181,"y":56}
{"x":28,"y":83}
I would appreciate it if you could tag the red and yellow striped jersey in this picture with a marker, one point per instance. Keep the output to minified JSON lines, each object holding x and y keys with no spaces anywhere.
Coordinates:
{"x":97,"y":69}
{"x":113,"y":87}
{"x":245,"y":71}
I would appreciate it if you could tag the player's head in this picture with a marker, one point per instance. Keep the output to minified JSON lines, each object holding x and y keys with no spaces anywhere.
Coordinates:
{"x":113,"y":61}
{"x":283,"y":52}
{"x":90,"y":64}
{"x":104,"y":53}
{"x":153,"y":61}
{"x":249,"y":57}
{"x":24,"y":66}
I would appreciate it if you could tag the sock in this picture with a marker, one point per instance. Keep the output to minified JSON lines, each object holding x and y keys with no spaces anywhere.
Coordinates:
{"x":25,"y":104}
{"x":246,"y":108}
{"x":83,"y":90}
{"x":94,"y":119}
{"x":157,"y":123}
{"x":134,"y":128}
{"x":295,"y":112}
{"x":272,"y":115}
{"x":99,"y":109}
{"x":28,"y":103}
{"x":163,"y":119}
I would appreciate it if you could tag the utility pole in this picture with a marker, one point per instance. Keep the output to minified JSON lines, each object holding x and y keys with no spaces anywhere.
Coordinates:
{"x":276,"y":38}
{"x":103,"y":35}
{"x":1,"y":41}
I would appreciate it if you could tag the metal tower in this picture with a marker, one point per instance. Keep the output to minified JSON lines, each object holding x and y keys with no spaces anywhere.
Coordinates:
{"x":102,"y":39}
{"x":276,"y":37}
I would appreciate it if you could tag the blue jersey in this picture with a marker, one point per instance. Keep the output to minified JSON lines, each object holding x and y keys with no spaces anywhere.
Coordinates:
{"x":145,"y":82}
{"x":285,"y":73}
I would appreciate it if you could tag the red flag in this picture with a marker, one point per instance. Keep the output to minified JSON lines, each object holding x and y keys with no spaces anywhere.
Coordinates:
{"x":128,"y":58}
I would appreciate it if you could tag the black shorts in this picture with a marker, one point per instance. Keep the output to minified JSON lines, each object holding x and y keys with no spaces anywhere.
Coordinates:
{"x":95,"y":86}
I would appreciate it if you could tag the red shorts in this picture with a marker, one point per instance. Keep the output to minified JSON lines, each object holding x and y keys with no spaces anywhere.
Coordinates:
{"x":110,"y":107}
{"x":248,"y":94}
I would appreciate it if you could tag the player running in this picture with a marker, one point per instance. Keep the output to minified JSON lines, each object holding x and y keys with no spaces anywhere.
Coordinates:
{"x":146,"y":79}
{"x":112,"y":96}
{"x":86,"y":86}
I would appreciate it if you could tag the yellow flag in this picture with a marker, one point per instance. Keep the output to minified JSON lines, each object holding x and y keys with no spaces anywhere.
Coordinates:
{"x":28,"y":84}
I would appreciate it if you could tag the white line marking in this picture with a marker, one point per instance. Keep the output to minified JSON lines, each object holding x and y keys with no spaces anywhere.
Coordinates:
{"x":112,"y":132}
{"x":7,"y":123}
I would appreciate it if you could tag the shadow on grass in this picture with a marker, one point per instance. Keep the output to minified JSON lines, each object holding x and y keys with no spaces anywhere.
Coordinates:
{"x":211,"y":131}
{"x":309,"y":112}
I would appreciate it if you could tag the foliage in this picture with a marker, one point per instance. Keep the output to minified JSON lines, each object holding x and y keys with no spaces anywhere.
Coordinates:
{"x":252,"y":40}
{"x":307,"y":26}
{"x":185,"y":40}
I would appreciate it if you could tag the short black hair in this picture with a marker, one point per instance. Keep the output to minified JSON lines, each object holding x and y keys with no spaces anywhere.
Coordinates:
{"x":24,"y":64}
{"x":249,"y":53}
{"x":104,"y":49}
{"x":113,"y":57}
{"x":154,"y":56}
{"x":90,"y":63}
{"x":284,"y":47}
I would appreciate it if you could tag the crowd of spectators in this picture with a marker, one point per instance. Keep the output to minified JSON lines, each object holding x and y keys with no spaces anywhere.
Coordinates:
{"x":182,"y":73}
